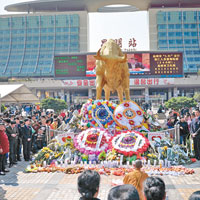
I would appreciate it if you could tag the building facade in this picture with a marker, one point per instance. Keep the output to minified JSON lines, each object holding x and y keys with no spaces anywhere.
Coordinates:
{"x":177,"y":29}
{"x":29,"y":42}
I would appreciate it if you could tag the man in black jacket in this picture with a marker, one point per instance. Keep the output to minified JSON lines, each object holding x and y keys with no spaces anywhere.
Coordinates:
{"x":195,"y":128}
{"x":26,"y":139}
{"x":12,"y":134}
{"x":19,"y":141}
{"x":184,"y":130}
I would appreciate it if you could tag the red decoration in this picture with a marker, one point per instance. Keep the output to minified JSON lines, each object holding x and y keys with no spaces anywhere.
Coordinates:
{"x":139,"y":112}
{"x":131,"y":122}
{"x":126,"y":105}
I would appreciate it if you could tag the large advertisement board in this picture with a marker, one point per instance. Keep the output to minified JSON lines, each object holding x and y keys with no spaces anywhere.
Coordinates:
{"x":142,"y":64}
{"x":70,"y":66}
{"x":154,"y":64}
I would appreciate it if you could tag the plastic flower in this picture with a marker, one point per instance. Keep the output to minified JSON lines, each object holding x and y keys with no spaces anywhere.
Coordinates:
{"x":131,"y":122}
{"x":139,"y":112}
{"x":165,"y":147}
{"x":47,"y":155}
{"x":126,"y":104}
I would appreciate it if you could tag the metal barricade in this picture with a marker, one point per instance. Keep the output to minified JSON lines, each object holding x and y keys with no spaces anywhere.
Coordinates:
{"x":50,"y":134}
{"x":173,"y":133}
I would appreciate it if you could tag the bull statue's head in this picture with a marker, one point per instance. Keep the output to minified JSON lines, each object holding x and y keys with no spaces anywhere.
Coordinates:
{"x":111,"y":51}
{"x":112,"y":73}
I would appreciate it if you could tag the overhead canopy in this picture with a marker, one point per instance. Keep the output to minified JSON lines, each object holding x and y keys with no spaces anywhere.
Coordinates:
{"x":98,"y":5}
{"x":17,"y":94}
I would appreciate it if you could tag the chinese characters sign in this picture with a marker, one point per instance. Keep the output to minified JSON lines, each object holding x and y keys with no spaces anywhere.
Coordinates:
{"x":166,"y":63}
{"x":79,"y":83}
{"x":133,"y":82}
{"x":70,"y":65}
{"x":131,"y":42}
{"x":151,"y":81}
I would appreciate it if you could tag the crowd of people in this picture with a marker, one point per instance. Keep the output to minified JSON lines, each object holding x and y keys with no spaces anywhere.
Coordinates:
{"x":189,"y":124}
{"x":137,"y":185}
{"x":27,"y":133}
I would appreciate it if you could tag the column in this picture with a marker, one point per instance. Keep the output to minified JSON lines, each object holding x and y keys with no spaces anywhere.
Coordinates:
{"x":62,"y":94}
{"x":89,"y":93}
{"x":175,"y":92}
{"x":169,"y":93}
{"x":68,"y":97}
{"x":146,"y":94}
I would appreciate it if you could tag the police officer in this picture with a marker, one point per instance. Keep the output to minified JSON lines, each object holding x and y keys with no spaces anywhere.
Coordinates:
{"x":12,"y":134}
{"x":19,"y":141}
{"x":26,"y":139}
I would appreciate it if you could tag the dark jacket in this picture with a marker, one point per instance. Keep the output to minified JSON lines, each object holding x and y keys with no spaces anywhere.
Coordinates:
{"x":26,"y":132}
{"x":195,"y":126}
{"x":10,"y":131}
{"x":184,"y":130}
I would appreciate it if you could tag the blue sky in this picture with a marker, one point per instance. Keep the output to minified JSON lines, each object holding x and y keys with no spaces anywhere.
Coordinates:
{"x":111,"y":25}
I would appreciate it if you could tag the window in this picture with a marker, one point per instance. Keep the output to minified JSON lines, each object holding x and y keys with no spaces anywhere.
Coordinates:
{"x":178,"y":26}
{"x":193,"y":34}
{"x":171,"y":41}
{"x":162,"y":34}
{"x":178,"y":34}
{"x":193,"y":26}
{"x":194,"y":41}
{"x":161,"y":26}
{"x":171,"y":26}
{"x":171,"y":34}
{"x":179,"y":41}
{"x":187,"y":41}
{"x":186,"y":33}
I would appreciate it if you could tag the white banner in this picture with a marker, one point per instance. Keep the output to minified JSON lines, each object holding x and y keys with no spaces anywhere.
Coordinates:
{"x":62,"y":138}
{"x":153,"y":135}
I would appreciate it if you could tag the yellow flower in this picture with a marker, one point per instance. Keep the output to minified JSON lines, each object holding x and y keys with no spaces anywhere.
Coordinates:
{"x":47,"y":155}
{"x":165,"y":147}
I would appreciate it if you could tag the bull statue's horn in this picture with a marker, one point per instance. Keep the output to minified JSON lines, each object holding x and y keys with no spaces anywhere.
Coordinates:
{"x":98,"y":56}
{"x":124,"y":59}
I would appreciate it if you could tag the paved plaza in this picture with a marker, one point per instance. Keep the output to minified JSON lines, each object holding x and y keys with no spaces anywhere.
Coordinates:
{"x":17,"y":185}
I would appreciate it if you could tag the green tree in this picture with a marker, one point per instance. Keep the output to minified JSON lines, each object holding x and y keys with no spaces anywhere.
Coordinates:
{"x":56,"y":104}
{"x":178,"y":103}
{"x":197,"y":96}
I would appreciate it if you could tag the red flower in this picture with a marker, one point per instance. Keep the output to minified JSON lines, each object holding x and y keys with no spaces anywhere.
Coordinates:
{"x":119,"y":115}
{"x":99,"y":103}
{"x":126,"y":104}
{"x":131,"y":122}
{"x":193,"y":159}
{"x":139,"y":112}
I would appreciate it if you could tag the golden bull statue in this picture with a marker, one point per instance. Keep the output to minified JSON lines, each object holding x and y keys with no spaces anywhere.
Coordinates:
{"x":112,"y":72}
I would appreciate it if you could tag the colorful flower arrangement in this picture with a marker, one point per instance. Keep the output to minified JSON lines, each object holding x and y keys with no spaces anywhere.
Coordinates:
{"x":92,"y":141}
{"x":129,"y":143}
{"x":129,"y":115}
{"x":98,"y":113}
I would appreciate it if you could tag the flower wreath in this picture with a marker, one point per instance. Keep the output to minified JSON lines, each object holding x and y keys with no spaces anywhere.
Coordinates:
{"x":92,"y":141}
{"x":99,"y":113}
{"x":129,"y":115}
{"x":129,"y":143}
